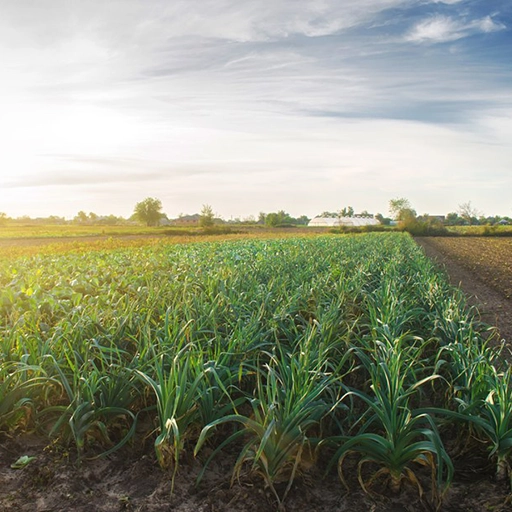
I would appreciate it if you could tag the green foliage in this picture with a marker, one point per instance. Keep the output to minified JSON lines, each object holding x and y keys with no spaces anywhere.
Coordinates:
{"x":177,"y":390}
{"x":408,"y":220}
{"x":294,"y":392}
{"x":149,"y":211}
{"x":347,"y":212}
{"x":422,"y":226}
{"x":393,"y":434}
{"x":488,"y":408}
{"x":251,"y":342}
{"x":207,"y":218}
{"x":282,"y":219}
{"x":99,"y":390}
{"x":401,"y":209}
{"x":500,"y":231}
{"x":20,"y":385}
{"x":277,"y":219}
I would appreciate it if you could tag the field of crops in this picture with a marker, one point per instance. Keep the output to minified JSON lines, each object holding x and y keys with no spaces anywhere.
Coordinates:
{"x":20,"y":231}
{"x":348,"y":354}
{"x":499,"y":231}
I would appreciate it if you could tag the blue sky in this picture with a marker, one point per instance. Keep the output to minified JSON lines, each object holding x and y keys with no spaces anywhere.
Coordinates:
{"x":255,"y":105}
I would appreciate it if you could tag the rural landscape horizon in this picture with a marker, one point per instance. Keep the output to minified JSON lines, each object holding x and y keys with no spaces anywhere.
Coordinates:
{"x":152,"y":214}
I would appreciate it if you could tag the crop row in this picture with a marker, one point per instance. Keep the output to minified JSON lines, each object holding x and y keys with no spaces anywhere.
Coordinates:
{"x":353,"y":347}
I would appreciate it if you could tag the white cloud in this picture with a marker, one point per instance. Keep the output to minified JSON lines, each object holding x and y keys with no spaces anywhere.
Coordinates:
{"x":436,"y":29}
{"x":487,"y":24}
{"x":448,"y":2}
{"x":441,"y":29}
{"x":138,"y":20}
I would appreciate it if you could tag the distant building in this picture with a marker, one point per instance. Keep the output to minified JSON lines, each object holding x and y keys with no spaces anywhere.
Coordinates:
{"x":187,"y":220}
{"x":164,"y":221}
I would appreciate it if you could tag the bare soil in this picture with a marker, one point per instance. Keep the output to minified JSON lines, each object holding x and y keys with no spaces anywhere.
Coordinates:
{"x":482,"y":268}
{"x":131,"y":480}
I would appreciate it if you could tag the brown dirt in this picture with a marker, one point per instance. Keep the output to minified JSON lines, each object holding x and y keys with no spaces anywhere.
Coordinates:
{"x":482,"y":268}
{"x":130,"y":480}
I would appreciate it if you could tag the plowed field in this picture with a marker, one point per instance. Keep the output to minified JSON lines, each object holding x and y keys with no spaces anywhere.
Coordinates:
{"x":483,"y":269}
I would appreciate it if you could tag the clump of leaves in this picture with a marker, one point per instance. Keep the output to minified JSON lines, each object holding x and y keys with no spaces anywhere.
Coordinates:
{"x":292,"y":396}
{"x":394,"y":435}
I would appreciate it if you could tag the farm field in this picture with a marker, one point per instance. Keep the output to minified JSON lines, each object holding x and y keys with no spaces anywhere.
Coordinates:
{"x":46,"y":231}
{"x":11,"y":248}
{"x":479,"y":231}
{"x":482,"y":267}
{"x":307,"y":373}
{"x":488,"y":258}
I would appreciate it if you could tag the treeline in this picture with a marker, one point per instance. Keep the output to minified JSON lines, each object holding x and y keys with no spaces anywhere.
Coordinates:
{"x":55,"y":220}
{"x":149,"y":212}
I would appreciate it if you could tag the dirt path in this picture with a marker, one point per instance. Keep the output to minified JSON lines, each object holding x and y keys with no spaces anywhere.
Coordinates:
{"x":495,"y":308}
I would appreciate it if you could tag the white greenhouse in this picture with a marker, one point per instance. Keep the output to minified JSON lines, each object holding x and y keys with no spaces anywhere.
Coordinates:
{"x":329,"y":222}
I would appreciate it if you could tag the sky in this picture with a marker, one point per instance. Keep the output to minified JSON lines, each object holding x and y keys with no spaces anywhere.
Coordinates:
{"x":255,"y":105}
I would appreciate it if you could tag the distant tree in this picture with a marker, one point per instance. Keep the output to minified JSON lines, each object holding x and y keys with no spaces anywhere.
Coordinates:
{"x":347,"y":212}
{"x":406,"y":217}
{"x":261,"y":218}
{"x":278,"y":219}
{"x":149,"y":211}
{"x":93,"y":216}
{"x":401,"y":209}
{"x":3,"y":218}
{"x":303,"y":220}
{"x":272,"y":220}
{"x":81,"y":217}
{"x":385,"y":221}
{"x":109,"y":220}
{"x":207,"y":217}
{"x":55,"y":219}
{"x":453,"y":219}
{"x":469,"y":213}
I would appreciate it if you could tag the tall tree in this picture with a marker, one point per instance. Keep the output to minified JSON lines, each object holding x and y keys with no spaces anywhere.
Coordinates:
{"x":149,"y":211}
{"x":469,"y":213}
{"x":81,"y":217}
{"x":275,"y":219}
{"x":207,"y":217}
{"x":401,"y":209}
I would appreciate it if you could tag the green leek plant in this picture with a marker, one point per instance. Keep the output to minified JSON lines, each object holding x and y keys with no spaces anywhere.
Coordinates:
{"x":465,"y":368}
{"x":292,"y":396}
{"x":21,"y":385}
{"x":98,"y":393}
{"x":177,"y":389}
{"x":495,"y":420}
{"x":394,"y":435}
{"x":492,"y":418}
